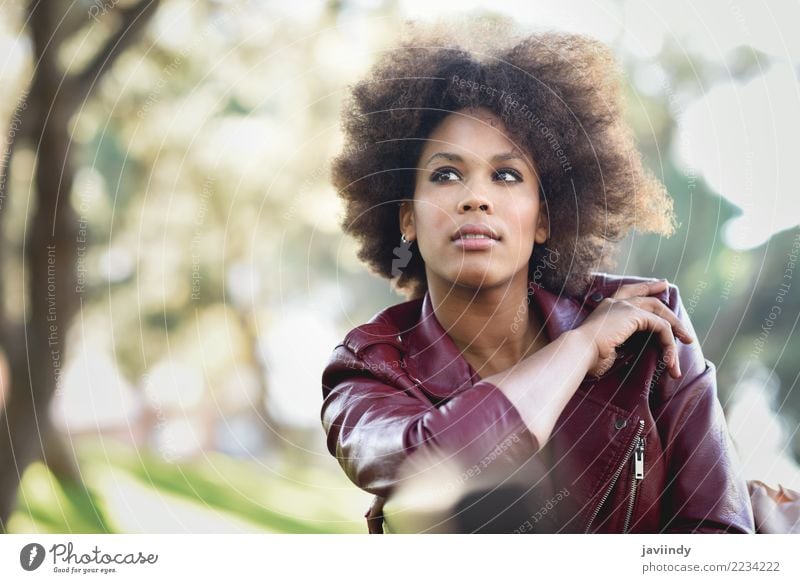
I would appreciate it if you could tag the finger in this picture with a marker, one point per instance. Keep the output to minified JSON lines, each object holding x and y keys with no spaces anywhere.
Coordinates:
{"x":644,"y":288}
{"x":664,"y":331}
{"x":658,"y":308}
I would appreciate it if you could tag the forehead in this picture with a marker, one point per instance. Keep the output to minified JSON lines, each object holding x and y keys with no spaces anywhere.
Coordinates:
{"x":476,"y":133}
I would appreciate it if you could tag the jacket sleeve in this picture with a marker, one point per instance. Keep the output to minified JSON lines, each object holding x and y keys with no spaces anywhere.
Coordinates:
{"x":373,"y":422}
{"x":706,"y":492}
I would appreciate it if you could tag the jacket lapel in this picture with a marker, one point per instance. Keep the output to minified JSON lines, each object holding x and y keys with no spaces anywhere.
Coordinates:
{"x":434,"y":359}
{"x":560,"y":312}
{"x":435,"y":362}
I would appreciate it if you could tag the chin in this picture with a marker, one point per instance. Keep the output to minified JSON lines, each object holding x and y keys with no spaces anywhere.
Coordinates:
{"x":475,"y":278}
{"x":484,"y":275}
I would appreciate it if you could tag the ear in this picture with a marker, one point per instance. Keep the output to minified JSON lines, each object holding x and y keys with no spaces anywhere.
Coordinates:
{"x":407,"y":220}
{"x":543,"y":228}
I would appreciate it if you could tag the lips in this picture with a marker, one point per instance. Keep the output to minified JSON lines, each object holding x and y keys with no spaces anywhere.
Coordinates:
{"x":475,"y":237}
{"x":472,"y":231}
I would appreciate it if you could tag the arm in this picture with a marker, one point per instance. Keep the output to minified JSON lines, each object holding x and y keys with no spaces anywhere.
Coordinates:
{"x":558,"y":369}
{"x":706,"y":492}
{"x":372,"y":424}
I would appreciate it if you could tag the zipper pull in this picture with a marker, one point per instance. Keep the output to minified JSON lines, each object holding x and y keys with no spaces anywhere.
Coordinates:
{"x":639,"y":460}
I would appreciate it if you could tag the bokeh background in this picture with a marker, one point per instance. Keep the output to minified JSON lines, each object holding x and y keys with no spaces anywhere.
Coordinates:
{"x":173,"y":276}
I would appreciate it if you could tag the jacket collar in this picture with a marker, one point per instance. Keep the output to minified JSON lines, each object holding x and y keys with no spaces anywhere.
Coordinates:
{"x":435,"y":361}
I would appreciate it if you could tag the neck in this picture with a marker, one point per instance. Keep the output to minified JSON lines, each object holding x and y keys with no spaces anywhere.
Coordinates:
{"x":493,"y":327}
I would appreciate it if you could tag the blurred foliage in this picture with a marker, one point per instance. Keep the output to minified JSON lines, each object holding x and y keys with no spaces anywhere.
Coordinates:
{"x":232,"y":495}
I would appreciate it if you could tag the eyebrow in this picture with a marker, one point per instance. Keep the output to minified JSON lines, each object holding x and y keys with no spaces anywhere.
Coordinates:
{"x":456,"y":158}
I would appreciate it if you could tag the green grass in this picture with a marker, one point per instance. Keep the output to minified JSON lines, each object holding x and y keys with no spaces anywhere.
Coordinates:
{"x":126,"y":490}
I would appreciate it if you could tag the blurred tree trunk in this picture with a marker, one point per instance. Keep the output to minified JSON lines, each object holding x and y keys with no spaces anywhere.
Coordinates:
{"x":35,"y":347}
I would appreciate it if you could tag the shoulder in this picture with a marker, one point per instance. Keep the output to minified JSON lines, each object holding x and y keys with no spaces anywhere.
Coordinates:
{"x":384,"y":326}
{"x":373,"y":348}
{"x":605,"y":284}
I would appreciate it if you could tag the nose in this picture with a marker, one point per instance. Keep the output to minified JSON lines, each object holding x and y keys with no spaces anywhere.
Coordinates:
{"x":473,"y":200}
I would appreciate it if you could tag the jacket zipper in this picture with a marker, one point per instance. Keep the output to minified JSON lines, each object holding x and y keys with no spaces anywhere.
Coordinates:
{"x":621,"y":467}
{"x":638,"y":474}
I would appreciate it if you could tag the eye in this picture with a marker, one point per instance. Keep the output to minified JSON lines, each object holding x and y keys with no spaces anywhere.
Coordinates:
{"x":514,"y":175}
{"x":440,"y":174}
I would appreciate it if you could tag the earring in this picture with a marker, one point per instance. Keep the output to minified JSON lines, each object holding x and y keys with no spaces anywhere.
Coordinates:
{"x":403,"y":238}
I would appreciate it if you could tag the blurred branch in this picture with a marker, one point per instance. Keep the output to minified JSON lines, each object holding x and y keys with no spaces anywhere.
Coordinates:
{"x":133,"y":20}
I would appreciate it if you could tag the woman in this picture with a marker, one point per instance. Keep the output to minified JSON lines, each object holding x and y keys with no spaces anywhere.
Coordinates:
{"x":519,"y":389}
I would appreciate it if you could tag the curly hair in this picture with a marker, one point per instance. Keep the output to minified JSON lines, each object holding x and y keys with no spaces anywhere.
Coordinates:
{"x":559,"y":96}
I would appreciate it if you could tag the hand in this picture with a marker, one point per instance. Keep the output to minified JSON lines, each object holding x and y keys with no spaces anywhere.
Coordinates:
{"x":631,"y":310}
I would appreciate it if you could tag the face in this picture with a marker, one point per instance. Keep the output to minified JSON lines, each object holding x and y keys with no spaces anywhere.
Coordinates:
{"x":476,"y":211}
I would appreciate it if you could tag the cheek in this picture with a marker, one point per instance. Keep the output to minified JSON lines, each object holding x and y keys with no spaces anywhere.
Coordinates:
{"x":522,"y":222}
{"x":431,"y":220}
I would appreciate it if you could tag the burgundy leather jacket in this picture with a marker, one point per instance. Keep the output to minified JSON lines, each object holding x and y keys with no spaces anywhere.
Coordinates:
{"x":636,"y":450}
